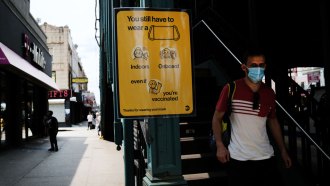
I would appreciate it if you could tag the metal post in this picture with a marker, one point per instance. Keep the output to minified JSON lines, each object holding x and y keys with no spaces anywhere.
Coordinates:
{"x":127,"y":126}
{"x":128,"y":151}
{"x":164,"y":152}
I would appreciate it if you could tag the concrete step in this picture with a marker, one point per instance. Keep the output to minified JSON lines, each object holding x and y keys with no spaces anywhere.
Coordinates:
{"x":195,"y":128}
{"x":206,"y":179}
{"x":196,"y":163}
{"x":195,"y":145}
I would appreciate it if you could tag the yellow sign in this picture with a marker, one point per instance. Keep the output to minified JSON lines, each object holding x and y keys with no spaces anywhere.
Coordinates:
{"x":80,"y":80}
{"x":154,"y":63}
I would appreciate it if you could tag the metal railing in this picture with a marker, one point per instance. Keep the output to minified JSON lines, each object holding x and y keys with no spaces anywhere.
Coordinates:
{"x":287,"y":113}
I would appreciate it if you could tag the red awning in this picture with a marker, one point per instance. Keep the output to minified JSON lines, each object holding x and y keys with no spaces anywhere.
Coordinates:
{"x":16,"y":64}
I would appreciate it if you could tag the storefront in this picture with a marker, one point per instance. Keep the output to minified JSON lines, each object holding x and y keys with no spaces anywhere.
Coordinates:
{"x":25,"y":70}
{"x":59,"y":103}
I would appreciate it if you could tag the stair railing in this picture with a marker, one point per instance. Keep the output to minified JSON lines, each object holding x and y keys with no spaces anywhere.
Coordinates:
{"x":286,"y":112}
{"x":303,"y":130}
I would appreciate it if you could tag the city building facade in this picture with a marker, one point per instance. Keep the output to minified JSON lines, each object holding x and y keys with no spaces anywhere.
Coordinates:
{"x":25,"y":73}
{"x":68,"y":73}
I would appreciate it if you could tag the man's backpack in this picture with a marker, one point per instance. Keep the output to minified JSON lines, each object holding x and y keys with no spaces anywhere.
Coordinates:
{"x":226,"y":125}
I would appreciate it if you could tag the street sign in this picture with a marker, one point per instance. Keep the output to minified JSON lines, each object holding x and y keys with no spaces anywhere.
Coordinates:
{"x":154,"y":62}
{"x":80,"y":80}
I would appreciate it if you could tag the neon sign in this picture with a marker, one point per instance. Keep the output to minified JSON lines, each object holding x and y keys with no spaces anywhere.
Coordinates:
{"x":61,"y":94}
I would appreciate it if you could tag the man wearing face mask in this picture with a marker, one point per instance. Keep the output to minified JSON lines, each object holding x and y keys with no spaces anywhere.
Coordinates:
{"x":250,"y":155}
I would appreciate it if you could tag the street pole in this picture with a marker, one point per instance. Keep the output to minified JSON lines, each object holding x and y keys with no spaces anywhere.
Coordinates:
{"x":164,"y":150}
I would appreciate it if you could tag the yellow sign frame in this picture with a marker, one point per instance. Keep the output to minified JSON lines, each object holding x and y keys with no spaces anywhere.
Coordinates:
{"x":153,"y":62}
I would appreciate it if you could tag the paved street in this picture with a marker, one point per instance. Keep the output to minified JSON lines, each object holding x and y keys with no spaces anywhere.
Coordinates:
{"x":82,"y":160}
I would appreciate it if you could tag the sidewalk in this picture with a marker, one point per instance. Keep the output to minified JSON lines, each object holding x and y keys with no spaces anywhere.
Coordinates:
{"x":82,"y":160}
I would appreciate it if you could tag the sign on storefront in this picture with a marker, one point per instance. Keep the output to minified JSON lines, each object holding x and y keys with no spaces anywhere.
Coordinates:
{"x":60,"y":94}
{"x":313,"y":77}
{"x":31,"y":49}
{"x":80,"y":80}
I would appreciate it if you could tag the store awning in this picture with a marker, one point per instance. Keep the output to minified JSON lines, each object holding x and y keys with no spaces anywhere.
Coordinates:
{"x":16,"y":64}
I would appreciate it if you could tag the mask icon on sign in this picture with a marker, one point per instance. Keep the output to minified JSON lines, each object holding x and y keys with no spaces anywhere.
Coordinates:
{"x":154,"y":86}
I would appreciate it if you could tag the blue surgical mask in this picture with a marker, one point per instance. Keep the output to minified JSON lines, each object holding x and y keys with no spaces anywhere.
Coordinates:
{"x":256,"y":74}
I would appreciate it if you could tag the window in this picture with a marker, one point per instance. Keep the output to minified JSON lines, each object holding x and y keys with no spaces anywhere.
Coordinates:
{"x":54,"y":75}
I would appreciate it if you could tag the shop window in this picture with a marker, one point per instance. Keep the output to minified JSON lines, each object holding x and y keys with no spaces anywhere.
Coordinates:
{"x":2,"y":123}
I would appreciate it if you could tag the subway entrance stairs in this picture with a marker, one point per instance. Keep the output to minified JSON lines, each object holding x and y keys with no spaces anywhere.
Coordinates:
{"x":199,"y":163}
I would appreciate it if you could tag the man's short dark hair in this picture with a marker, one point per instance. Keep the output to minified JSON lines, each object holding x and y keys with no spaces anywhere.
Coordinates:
{"x":253,"y":52}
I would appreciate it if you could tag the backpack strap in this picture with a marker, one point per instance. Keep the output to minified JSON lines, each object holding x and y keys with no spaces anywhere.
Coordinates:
{"x":232,"y":89}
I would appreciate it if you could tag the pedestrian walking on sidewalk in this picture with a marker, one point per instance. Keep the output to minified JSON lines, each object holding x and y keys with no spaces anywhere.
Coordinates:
{"x":51,"y":124}
{"x":89,"y":120}
{"x":97,"y":122}
{"x":250,"y":155}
